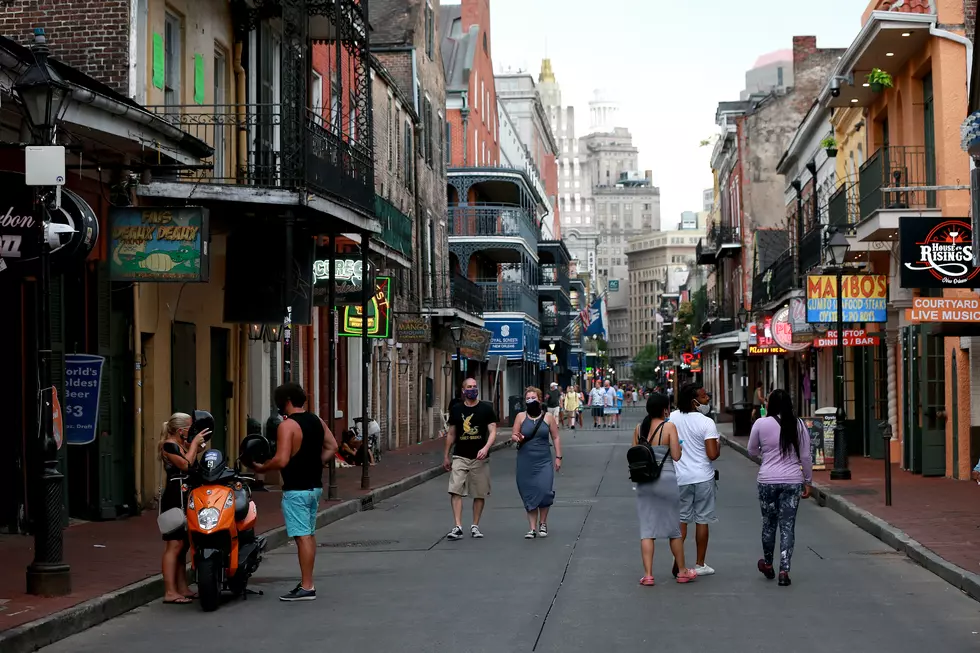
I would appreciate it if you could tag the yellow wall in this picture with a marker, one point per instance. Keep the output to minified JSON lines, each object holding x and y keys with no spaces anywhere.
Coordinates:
{"x":161,"y":304}
{"x":851,"y":150}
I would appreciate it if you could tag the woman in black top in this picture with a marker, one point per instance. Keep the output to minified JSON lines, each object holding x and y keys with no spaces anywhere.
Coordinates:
{"x":177,"y":456}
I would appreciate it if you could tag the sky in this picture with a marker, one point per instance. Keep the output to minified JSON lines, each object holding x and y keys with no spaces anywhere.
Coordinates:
{"x":668,"y":64}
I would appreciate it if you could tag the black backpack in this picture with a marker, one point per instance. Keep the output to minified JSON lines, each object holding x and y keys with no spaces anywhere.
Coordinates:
{"x":642,"y":462}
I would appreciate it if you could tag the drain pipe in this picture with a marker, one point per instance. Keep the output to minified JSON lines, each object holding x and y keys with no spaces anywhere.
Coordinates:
{"x":138,"y":397}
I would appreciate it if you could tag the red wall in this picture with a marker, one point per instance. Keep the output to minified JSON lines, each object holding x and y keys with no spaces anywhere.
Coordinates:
{"x":483,"y":125}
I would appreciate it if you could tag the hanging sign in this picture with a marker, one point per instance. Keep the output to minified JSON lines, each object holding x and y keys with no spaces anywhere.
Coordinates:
{"x":865,"y":298}
{"x":937,"y":253}
{"x":764,"y":345}
{"x":349,"y":278}
{"x":782,"y":332}
{"x":159,"y":244}
{"x":943,"y":309}
{"x":378,"y":318}
{"x":83,"y":387}
{"x":414,"y":329}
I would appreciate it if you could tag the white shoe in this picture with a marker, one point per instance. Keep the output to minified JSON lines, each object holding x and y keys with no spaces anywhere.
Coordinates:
{"x":703,"y":570}
{"x":475,"y":531}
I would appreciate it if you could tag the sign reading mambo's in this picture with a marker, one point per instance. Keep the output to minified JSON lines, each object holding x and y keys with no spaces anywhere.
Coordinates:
{"x":159,"y":244}
{"x":852,"y":338}
{"x":937,"y":253}
{"x":865,"y":298}
{"x":943,"y":309}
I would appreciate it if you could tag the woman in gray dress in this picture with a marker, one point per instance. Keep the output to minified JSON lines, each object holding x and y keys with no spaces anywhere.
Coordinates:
{"x":658,"y":502}
{"x":535,"y":466}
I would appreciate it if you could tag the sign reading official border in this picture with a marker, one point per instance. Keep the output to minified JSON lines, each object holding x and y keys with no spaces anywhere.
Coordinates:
{"x":937,"y":253}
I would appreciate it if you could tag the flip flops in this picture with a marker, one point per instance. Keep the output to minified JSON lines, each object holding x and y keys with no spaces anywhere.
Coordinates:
{"x":181,"y":601}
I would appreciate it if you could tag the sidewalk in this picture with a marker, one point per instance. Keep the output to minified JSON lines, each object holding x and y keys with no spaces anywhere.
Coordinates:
{"x":932,"y":520}
{"x":122,"y":558}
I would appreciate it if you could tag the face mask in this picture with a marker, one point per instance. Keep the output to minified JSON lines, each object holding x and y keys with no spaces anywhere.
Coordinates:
{"x":704,"y":409}
{"x":471,"y":393}
{"x":533,"y":407}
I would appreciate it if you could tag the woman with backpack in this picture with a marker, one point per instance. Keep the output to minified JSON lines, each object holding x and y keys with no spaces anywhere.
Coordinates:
{"x":656,"y":446}
{"x":784,"y":477}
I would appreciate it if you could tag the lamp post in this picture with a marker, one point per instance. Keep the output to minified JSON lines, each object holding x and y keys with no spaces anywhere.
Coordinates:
{"x":43,"y":94}
{"x":743,"y":408}
{"x":837,"y":247}
{"x":456,"y":331}
{"x":385,"y":368}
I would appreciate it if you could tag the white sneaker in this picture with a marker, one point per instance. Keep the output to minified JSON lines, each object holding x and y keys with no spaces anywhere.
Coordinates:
{"x":703,"y":570}
{"x":475,"y":531}
{"x":455,"y":534}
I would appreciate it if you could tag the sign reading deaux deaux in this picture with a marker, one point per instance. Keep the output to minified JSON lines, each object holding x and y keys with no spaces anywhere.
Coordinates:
{"x":159,"y":244}
{"x":937,"y":253}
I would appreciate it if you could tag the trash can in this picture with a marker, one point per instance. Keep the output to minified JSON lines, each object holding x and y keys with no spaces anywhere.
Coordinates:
{"x":515,"y":404}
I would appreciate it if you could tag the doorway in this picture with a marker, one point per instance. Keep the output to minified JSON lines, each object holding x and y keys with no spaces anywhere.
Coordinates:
{"x":955,"y":405}
{"x":183,"y":367}
{"x":220,"y":387}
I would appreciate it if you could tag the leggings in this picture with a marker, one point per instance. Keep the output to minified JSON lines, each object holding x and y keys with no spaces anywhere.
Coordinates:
{"x":779,"y":502}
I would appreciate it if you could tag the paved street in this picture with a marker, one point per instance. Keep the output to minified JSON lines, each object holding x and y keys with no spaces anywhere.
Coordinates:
{"x":388,"y":581}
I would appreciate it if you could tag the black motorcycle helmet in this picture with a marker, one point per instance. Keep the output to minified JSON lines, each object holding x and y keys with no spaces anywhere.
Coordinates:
{"x":201,"y":420}
{"x":255,"y":448}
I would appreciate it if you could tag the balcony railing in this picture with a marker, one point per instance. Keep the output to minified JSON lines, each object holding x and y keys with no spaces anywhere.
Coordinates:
{"x":726,"y":238}
{"x":778,"y":279}
{"x":488,"y":220}
{"x":509,"y":297}
{"x":555,"y":325}
{"x":897,"y":167}
{"x":455,"y":291}
{"x":553,"y":275}
{"x":843,"y":207}
{"x":332,"y":164}
{"x":396,"y":227}
{"x":811,"y":247}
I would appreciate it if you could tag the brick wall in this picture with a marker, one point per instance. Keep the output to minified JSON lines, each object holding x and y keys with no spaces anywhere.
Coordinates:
{"x":970,"y":17}
{"x":90,"y":35}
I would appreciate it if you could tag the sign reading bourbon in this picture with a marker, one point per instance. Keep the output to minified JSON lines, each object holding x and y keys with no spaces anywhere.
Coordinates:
{"x":937,"y":253}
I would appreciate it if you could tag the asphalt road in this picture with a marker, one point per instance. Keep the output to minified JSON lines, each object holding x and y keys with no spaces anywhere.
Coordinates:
{"x":387,"y":580}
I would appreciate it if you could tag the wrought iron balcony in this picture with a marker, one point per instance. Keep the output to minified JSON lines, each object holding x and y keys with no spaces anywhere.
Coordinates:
{"x":775,"y":281}
{"x":509,"y":297}
{"x":454,"y":291}
{"x":727,"y":240}
{"x":489,"y":220}
{"x":843,"y":207}
{"x":704,"y":255}
{"x":553,"y":275}
{"x":811,"y":248}
{"x":902,"y":167}
{"x":555,"y":326}
{"x":333,"y":164}
{"x":396,"y":227}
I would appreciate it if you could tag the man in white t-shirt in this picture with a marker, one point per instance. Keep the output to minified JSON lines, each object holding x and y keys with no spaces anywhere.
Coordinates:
{"x":596,"y":401}
{"x":695,"y":470}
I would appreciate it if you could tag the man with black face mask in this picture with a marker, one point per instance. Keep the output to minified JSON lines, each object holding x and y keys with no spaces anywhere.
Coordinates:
{"x":472,"y":428}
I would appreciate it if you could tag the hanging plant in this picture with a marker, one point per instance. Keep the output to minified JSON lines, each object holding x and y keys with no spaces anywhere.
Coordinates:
{"x":879,"y":80}
{"x":830,"y":145}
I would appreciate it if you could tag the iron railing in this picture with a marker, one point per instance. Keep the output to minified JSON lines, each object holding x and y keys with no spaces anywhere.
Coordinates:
{"x":555,"y":325}
{"x":553,"y":275}
{"x":454,"y":291}
{"x":897,"y":166}
{"x":776,"y":280}
{"x":843,"y":208}
{"x":725,"y":235}
{"x":334,"y":164}
{"x":396,"y":227}
{"x":509,"y":297}
{"x":811,"y":249}
{"x":493,"y":220}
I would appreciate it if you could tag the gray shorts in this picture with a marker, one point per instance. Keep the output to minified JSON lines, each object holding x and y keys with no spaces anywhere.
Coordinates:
{"x":698,"y":503}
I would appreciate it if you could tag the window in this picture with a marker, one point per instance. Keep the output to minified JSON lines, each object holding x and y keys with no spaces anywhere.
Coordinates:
{"x":172,"y":37}
{"x":336,"y":120}
{"x":486,"y":49}
{"x":391,"y":136}
{"x":445,"y":141}
{"x":409,"y":155}
{"x":352,"y":118}
{"x":430,"y":31}
{"x":398,"y":138}
{"x":141,"y":44}
{"x":316,"y":97}
{"x":779,"y":76}
{"x":220,"y":135}
{"x":428,"y":138}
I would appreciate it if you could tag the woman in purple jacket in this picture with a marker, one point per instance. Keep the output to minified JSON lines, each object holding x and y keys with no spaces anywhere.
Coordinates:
{"x":784,"y":477}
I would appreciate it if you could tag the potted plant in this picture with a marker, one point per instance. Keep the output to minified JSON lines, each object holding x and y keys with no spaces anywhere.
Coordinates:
{"x":829,"y":144}
{"x":879,"y":80}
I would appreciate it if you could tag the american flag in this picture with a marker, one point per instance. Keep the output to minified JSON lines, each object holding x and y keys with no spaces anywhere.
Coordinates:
{"x":586,"y":316}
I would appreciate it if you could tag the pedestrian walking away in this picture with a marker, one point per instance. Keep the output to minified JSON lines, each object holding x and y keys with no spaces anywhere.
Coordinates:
{"x":784,"y":477}
{"x":535,"y":466}
{"x":472,"y":431}
{"x":696,"y":476}
{"x":658,"y":501}
{"x":597,"y":399}
{"x":304,"y":446}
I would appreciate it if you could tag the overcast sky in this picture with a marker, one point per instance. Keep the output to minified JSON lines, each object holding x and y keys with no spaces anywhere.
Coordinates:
{"x":669,"y":64}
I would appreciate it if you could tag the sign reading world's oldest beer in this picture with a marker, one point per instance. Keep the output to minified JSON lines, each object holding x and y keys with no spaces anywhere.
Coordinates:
{"x":937,"y":253}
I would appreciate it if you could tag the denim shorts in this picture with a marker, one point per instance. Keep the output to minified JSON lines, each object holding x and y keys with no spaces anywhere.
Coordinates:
{"x":299,"y":508}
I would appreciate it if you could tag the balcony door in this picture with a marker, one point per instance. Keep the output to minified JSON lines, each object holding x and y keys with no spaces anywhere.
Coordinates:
{"x":267,"y":91}
{"x":929,"y":137}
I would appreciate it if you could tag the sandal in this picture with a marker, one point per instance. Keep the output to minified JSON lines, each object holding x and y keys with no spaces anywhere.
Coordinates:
{"x":181,"y":601}
{"x":192,"y":596}
{"x":687,"y":576}
{"x":647,"y":581}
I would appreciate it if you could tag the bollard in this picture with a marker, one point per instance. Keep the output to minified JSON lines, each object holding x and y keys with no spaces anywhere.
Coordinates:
{"x":886,"y":435}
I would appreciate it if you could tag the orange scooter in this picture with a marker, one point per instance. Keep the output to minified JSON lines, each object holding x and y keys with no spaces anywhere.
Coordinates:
{"x":221,"y":520}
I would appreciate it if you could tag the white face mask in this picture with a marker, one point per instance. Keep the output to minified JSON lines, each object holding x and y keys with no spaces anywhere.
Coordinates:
{"x":704,"y":409}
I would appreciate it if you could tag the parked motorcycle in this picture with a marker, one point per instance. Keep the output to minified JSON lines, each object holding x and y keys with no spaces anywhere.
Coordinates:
{"x":221,"y":518}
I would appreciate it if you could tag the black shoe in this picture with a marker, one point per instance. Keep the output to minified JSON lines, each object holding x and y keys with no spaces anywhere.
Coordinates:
{"x":299,"y":594}
{"x":767,"y":569}
{"x":784,"y":580}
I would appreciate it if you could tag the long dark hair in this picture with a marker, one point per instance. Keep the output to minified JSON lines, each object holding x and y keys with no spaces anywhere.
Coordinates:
{"x":657,"y":405}
{"x":781,"y":407}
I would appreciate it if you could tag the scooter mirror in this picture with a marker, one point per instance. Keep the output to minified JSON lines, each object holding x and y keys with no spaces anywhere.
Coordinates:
{"x":203,"y":420}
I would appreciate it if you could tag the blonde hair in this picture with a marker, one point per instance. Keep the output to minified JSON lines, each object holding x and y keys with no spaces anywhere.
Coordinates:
{"x":537,"y":391}
{"x":176,"y":422}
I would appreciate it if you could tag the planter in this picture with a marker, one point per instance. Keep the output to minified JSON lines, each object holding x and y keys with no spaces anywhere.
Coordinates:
{"x":831,"y":152}
{"x":877,"y":87}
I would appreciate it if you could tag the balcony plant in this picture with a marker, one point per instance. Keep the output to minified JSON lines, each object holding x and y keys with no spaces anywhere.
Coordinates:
{"x":879,"y":80}
{"x":830,"y":145}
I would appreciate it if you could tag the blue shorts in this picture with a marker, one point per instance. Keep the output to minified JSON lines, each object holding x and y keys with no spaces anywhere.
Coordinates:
{"x":299,"y":508}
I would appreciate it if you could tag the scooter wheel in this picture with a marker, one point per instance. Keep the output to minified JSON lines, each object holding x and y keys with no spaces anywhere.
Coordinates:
{"x":209,"y":583}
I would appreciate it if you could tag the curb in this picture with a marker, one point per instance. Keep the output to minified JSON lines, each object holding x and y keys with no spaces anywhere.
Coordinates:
{"x":963,"y":580}
{"x":47,"y":630}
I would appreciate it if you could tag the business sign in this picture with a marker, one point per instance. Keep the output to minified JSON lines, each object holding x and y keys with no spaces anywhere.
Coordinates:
{"x":782,"y":332}
{"x":765,"y":344}
{"x":159,"y":244}
{"x":507,"y":339}
{"x":414,"y":329}
{"x":614,"y":285}
{"x":474,"y":343}
{"x":943,"y":309}
{"x":803,"y":331}
{"x":349,"y":279}
{"x":83,"y":387}
{"x":852,"y":338}
{"x":378,"y":317}
{"x":865,"y":298}
{"x":937,"y":253}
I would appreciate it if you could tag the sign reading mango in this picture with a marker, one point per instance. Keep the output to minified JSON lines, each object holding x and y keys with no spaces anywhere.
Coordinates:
{"x":865,"y":298}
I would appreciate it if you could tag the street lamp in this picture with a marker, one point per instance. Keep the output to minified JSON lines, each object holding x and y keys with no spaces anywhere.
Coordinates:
{"x":837,"y":248}
{"x":43,"y":94}
{"x":447,"y":369}
{"x":255,"y":332}
{"x":426,"y":368}
{"x":456,"y":331}
{"x":385,"y":364}
{"x":403,"y":366}
{"x":273,"y":332}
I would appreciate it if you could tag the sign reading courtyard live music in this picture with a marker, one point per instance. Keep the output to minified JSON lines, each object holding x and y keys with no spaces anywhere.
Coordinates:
{"x":943,"y":309}
{"x":937,"y":253}
{"x":865,"y":298}
{"x":159,"y":244}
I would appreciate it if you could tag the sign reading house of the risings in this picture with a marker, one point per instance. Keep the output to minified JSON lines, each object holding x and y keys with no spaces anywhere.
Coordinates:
{"x":865,"y":298}
{"x":943,"y":309}
{"x":159,"y":244}
{"x":937,"y":253}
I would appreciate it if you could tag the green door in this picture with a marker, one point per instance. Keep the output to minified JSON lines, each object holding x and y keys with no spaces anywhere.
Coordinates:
{"x":219,"y":387}
{"x":183,"y":367}
{"x":955,"y":414}
{"x":912,"y":429}
{"x":932,"y":381}
{"x":876,"y":393}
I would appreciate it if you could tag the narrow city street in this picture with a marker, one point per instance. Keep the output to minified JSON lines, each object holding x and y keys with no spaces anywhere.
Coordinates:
{"x":387,"y":580}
